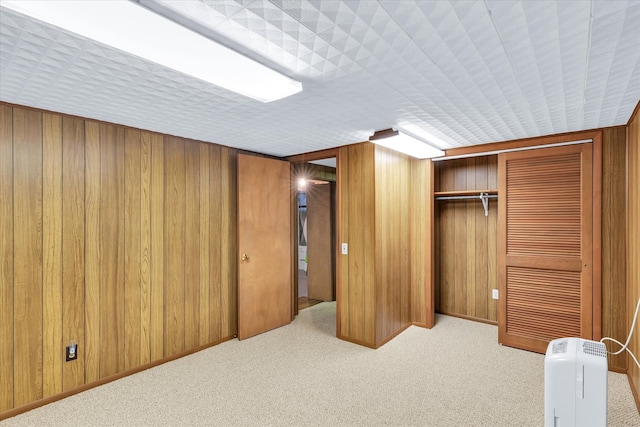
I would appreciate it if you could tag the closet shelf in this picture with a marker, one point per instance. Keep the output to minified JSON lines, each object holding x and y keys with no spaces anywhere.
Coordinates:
{"x":464,"y":192}
{"x":482,"y":195}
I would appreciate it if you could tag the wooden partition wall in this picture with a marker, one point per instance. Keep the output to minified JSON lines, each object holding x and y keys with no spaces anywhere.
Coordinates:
{"x":118,"y":239}
{"x":375,"y":290}
{"x":633,"y":244}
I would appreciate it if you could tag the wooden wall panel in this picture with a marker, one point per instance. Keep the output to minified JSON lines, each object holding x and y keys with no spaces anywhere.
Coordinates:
{"x":97,"y":209}
{"x":145,"y":248}
{"x":392,"y":255}
{"x":6,"y":258}
{"x":156,"y":256}
{"x":112,"y":265}
{"x":52,"y":202}
{"x":204,"y":291}
{"x":357,"y":290}
{"x":614,"y":261}
{"x":27,"y":279}
{"x":174,"y":253}
{"x":422,"y":242}
{"x":73,"y":250}
{"x":132,"y":262}
{"x":92,"y":252}
{"x":192,"y":245}
{"x":633,"y":243}
{"x":466,"y":240}
{"x":216,"y":244}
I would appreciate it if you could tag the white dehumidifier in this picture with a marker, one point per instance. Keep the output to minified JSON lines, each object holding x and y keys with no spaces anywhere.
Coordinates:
{"x":575,"y":383}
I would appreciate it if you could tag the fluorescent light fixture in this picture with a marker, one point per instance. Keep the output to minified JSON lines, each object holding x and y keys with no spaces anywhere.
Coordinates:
{"x":405,"y":143}
{"x":510,"y":150}
{"x":133,"y":29}
{"x":422,"y":134}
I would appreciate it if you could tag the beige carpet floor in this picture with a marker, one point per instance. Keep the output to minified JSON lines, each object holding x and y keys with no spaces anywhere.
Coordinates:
{"x":452,"y":375}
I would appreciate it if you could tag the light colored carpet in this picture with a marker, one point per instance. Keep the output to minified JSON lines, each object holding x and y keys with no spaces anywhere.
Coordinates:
{"x":452,"y":375}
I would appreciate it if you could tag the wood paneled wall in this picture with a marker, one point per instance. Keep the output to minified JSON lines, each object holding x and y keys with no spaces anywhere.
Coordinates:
{"x":466,"y":240}
{"x":421,"y":206}
{"x":392,"y":242}
{"x":614,"y":232}
{"x":375,"y":277}
{"x":356,"y":290}
{"x":633,"y":244}
{"x":119,"y":239}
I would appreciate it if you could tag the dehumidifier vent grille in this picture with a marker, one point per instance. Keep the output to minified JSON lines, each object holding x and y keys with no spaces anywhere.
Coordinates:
{"x":594,"y":348}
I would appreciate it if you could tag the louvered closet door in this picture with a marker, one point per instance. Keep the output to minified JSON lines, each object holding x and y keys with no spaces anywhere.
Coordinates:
{"x":545,"y":246}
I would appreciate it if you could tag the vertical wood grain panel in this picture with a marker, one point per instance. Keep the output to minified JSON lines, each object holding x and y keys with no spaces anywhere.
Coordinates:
{"x":92,"y":251}
{"x":215,"y":243}
{"x":27,"y":222}
{"x":471,"y":208}
{"x":460,"y":236}
{"x":614,"y":262}
{"x":145,"y":247}
{"x":52,"y":253}
{"x":356,"y":245}
{"x":342,"y":289}
{"x":392,"y":267}
{"x":419,"y":238}
{"x":6,"y":258}
{"x":229,"y":248}
{"x":446,"y":251}
{"x":205,"y":261}
{"x":174,"y":250}
{"x":192,"y":245}
{"x":492,"y":258}
{"x":112,"y":340}
{"x":73,"y":247}
{"x":156,"y":195}
{"x":478,"y":276}
{"x":633,"y":242}
{"x":369,"y":284}
{"x":132,"y":262}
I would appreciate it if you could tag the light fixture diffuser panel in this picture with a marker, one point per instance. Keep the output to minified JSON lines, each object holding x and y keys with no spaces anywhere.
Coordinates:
{"x":126,"y":26}
{"x":409,"y":145}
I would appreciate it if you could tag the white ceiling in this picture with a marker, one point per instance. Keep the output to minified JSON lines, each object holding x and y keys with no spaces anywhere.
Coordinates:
{"x":464,"y":72}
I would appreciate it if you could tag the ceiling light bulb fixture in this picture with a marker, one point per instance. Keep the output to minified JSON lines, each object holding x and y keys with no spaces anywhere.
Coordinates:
{"x":405,"y":143}
{"x":136,"y":30}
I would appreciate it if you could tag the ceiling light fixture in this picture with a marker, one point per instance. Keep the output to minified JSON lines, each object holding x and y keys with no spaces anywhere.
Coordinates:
{"x":133,"y":29}
{"x":405,"y":143}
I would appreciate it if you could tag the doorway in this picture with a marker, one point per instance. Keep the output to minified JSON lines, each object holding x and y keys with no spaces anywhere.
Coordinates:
{"x":315,"y":204}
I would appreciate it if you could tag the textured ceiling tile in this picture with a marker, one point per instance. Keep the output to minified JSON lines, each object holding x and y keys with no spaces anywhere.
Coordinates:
{"x":464,"y":72}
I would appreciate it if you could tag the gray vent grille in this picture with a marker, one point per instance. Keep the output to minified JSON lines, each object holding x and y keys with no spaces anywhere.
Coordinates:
{"x":594,"y":348}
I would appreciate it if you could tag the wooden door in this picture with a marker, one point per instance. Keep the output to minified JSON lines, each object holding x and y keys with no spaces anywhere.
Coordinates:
{"x":545,"y":246}
{"x":319,"y":246}
{"x":265,"y":288}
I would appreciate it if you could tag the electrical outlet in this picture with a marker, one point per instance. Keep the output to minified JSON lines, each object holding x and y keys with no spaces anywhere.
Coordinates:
{"x":494,"y":293}
{"x":72,"y":351}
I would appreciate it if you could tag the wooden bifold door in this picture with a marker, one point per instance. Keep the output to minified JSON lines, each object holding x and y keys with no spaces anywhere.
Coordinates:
{"x":545,"y":246}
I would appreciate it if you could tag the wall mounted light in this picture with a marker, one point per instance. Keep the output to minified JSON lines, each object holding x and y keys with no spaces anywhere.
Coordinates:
{"x":136,"y":30}
{"x":405,"y":143}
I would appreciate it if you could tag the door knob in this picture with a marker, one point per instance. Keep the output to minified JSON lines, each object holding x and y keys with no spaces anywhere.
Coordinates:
{"x":245,"y":257}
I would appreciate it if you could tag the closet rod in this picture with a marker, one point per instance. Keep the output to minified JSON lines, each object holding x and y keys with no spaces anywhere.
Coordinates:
{"x":482,"y":196}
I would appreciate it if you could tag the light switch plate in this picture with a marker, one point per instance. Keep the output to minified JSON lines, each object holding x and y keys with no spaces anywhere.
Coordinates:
{"x":345,"y":249}
{"x":494,"y":293}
